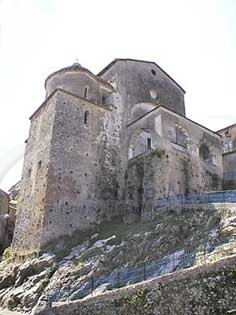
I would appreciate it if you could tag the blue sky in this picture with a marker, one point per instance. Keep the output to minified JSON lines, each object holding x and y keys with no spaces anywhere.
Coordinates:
{"x":194,"y":41}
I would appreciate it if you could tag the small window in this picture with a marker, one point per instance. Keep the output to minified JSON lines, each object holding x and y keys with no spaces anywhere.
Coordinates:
{"x":29,"y":172}
{"x":103,"y":99}
{"x":86,"y":117}
{"x":153,"y":94}
{"x":149,"y":143}
{"x":153,"y":72}
{"x":86,"y":92}
{"x":174,"y":135}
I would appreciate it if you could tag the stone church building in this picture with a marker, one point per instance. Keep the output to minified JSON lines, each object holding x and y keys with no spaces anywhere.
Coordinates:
{"x":105,"y":148}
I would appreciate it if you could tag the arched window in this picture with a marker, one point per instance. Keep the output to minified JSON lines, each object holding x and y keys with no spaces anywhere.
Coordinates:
{"x":204,"y":152}
{"x":86,"y":117}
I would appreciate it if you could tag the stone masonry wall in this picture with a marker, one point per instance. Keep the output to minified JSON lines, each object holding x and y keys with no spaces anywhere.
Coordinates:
{"x":140,"y":82}
{"x":203,"y":175}
{"x":82,"y":181}
{"x":4,"y":209}
{"x":133,"y":81}
{"x":31,"y":204}
{"x":73,"y":176}
{"x":229,"y":165}
{"x":170,"y":169}
{"x":76,"y":171}
{"x":73,"y":82}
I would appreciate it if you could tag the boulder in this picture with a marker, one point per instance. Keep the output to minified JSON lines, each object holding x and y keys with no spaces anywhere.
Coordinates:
{"x":43,"y":307}
{"x":33,"y":267}
{"x":6,"y":280}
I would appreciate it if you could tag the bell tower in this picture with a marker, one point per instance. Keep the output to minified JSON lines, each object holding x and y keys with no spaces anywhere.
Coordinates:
{"x":66,"y":165}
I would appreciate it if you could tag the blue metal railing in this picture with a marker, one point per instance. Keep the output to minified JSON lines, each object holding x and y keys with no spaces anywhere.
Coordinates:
{"x":231,"y":175}
{"x":228,"y":196}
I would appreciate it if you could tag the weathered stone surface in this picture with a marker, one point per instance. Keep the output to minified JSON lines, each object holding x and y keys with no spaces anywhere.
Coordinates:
{"x":24,"y":284}
{"x":43,"y":307}
{"x":32,"y":267}
{"x":101,"y":155}
{"x":4,"y":205}
{"x":7,"y":312}
{"x":228,"y":135}
{"x":121,"y":246}
{"x":103,"y":149}
{"x":6,"y":280}
{"x":202,"y":290}
{"x":102,"y":257}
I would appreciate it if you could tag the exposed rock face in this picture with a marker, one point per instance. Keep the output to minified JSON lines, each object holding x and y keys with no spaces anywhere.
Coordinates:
{"x":173,"y":242}
{"x":22,"y":285}
{"x":44,"y":306}
{"x":199,"y":291}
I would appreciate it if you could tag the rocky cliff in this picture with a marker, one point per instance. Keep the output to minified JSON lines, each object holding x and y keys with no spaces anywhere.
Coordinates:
{"x":120,"y":255}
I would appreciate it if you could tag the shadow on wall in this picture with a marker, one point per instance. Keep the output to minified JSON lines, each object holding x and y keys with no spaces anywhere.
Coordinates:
{"x":143,"y":140}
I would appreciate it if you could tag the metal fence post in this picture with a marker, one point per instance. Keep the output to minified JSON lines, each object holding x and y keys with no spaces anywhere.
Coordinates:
{"x":92,"y":284}
{"x":224,"y":197}
{"x":118,"y":278}
{"x":144,"y":271}
{"x":204,"y":253}
{"x":209,"y":198}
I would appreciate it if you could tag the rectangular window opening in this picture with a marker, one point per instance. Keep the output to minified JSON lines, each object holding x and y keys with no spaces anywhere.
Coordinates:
{"x":149,"y":143}
{"x":86,"y":92}
{"x":103,"y":99}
